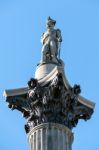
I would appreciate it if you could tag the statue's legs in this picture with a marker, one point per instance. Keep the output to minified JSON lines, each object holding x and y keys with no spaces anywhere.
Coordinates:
{"x":49,"y":51}
{"x":45,"y":50}
{"x":54,"y":51}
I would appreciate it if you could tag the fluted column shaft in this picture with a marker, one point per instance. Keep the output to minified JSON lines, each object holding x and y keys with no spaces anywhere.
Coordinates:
{"x":50,"y":136}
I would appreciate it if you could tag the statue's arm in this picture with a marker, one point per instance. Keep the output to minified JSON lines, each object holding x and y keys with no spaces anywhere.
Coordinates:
{"x":59,"y":36}
{"x":42,"y":38}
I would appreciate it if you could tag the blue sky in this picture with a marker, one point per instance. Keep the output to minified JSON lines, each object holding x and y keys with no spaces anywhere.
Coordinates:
{"x":21,"y":25}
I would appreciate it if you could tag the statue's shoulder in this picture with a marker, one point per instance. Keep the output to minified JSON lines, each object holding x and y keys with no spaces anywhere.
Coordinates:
{"x":58,"y":30}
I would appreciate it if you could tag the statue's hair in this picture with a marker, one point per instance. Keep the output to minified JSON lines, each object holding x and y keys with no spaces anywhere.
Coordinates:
{"x":49,"y":19}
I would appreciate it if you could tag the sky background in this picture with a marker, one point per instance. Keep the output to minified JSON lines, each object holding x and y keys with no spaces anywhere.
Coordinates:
{"x":21,"y":25}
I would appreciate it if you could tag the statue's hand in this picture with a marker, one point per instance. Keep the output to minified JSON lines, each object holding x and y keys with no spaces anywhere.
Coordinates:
{"x":59,"y":40}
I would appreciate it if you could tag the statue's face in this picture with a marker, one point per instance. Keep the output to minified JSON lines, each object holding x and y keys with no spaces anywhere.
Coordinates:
{"x":50,"y":25}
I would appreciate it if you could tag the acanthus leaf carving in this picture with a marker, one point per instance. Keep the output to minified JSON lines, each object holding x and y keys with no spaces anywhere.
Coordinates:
{"x":50,"y":103}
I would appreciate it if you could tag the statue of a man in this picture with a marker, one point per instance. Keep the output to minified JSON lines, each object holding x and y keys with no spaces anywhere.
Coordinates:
{"x":51,"y":40}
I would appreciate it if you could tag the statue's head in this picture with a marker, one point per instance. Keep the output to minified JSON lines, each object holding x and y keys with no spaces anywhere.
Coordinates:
{"x":50,"y":22}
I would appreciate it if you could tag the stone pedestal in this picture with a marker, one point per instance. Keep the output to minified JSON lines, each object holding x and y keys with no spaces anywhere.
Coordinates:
{"x":43,"y":70}
{"x":50,"y":136}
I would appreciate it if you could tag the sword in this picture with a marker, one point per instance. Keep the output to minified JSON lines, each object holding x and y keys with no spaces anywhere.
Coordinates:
{"x":59,"y":48}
